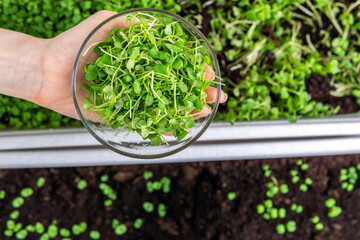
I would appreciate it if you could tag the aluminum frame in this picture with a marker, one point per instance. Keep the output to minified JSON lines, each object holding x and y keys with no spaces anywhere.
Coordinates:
{"x":222,"y":141}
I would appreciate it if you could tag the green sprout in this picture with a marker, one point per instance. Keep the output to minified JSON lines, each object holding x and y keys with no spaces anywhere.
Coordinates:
{"x":104,"y":178}
{"x":334,"y":211}
{"x":77,"y":229}
{"x":82,"y":184}
{"x":108,"y":202}
{"x":120,"y":229}
{"x":284,"y":189}
{"x":299,"y":209}
{"x":8,"y":233}
{"x":148,"y":207}
{"x":26,"y":192}
{"x":14,"y":214}
{"x":157,"y":185}
{"x":2,"y":194}
{"x":39,"y":228}
{"x":30,"y":228}
{"x":319,"y":226}
{"x":166,"y":182}
{"x":291,"y":226}
{"x":330,"y":202}
{"x":282,"y":213}
{"x":268,"y":203}
{"x":304,"y":167}
{"x":18,"y":202}
{"x":147,"y":175}
{"x":40,"y":182}
{"x":295,"y":179}
{"x":260,"y":209}
{"x":149,"y":187}
{"x":94,"y":234}
{"x":308,"y":181}
{"x":161,"y":210}
{"x":52,"y":231}
{"x":64,"y":232}
{"x":138,"y":223}
{"x":274,"y":214}
{"x":115,"y":223}
{"x":303,"y":187}
{"x":299,"y":162}
{"x":280,"y":229}
{"x":315,"y":219}
{"x":267,"y":216}
{"x":231,"y":196}
{"x":10,"y":224}
{"x":22,"y":234}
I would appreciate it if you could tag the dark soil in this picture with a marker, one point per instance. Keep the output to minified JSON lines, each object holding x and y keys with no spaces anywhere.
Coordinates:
{"x":319,"y":88}
{"x":197,"y":205}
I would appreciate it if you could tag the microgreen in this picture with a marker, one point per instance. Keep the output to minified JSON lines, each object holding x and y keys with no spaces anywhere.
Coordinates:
{"x":18,"y":202}
{"x":291,"y":226}
{"x":64,"y":232}
{"x":138,"y":223}
{"x":147,"y":175}
{"x":231,"y":195}
{"x":120,"y":229}
{"x":104,"y":178}
{"x":148,"y":78}
{"x":82,"y":184}
{"x":14,"y":214}
{"x":40,"y":182}
{"x":161,"y":210}
{"x":52,"y":231}
{"x":94,"y":234}
{"x":2,"y":194}
{"x":319,"y":226}
{"x":280,"y":228}
{"x":148,"y":207}
{"x":334,"y":210}
{"x":26,"y":192}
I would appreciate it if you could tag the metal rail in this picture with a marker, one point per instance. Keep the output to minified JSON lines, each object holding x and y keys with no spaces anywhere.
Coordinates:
{"x":222,"y":141}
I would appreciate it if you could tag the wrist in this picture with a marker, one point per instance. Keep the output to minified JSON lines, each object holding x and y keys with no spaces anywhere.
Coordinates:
{"x":21,"y":58}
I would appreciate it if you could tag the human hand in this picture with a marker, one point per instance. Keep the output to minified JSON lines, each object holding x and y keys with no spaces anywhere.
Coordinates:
{"x":59,"y":58}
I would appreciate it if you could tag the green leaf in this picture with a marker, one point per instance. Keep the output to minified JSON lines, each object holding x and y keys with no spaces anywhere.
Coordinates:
{"x":91,"y":76}
{"x":155,"y":140}
{"x":332,"y":67}
{"x":137,"y":87}
{"x":149,"y":100}
{"x":191,"y":73}
{"x":173,"y":47}
{"x":153,"y":53}
{"x":130,"y":64}
{"x":177,"y":64}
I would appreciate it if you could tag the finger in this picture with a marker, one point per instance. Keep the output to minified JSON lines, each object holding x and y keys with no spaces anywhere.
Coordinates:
{"x":211,"y":94}
{"x":204,"y":112}
{"x":209,"y":72}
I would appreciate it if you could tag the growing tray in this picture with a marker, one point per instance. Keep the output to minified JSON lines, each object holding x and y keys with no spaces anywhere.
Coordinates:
{"x":222,"y":141}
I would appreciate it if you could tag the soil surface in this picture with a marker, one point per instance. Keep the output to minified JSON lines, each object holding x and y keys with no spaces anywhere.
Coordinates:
{"x":197,"y":205}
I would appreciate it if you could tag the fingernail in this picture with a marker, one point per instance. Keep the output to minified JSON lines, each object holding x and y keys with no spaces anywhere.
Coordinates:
{"x":224,"y":97}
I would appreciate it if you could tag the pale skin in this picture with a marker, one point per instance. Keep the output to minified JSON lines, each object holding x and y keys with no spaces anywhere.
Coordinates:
{"x":40,"y":70}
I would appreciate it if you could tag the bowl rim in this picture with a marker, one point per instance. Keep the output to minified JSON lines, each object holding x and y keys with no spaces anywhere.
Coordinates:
{"x":216,"y":70}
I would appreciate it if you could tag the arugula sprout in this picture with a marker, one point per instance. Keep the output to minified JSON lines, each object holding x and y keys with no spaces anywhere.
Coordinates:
{"x":148,"y":78}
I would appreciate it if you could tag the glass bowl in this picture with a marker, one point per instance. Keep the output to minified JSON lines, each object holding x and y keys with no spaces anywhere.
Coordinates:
{"x":132,"y":144}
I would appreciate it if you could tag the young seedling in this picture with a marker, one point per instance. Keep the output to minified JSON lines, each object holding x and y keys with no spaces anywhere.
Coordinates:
{"x":161,"y":210}
{"x":64,"y":232}
{"x":148,"y":78}
{"x":291,"y":226}
{"x":280,"y":228}
{"x":231,"y":196}
{"x":148,"y":207}
{"x":82,"y":184}
{"x":2,"y":194}
{"x":18,"y":202}
{"x":138,"y":223}
{"x":267,"y":171}
{"x":334,"y":210}
{"x":120,"y":229}
{"x":104,"y":178}
{"x":94,"y":234}
{"x":14,"y":214}
{"x":40,"y":182}
{"x":147,"y":175}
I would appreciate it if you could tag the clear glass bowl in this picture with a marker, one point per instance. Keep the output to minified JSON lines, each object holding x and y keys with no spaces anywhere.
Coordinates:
{"x":133,"y":145}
